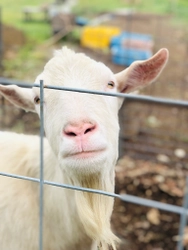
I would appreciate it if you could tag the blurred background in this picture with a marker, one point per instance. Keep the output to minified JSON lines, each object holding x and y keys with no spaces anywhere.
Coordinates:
{"x":153,"y":138}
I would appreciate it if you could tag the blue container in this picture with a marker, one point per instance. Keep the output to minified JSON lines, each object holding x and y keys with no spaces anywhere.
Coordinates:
{"x":126,"y":56}
{"x":129,"y":47}
{"x":118,"y":40}
{"x":81,"y":21}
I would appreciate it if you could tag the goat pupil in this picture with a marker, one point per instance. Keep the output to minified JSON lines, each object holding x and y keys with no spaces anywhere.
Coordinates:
{"x":111,"y":84}
{"x":37,"y":99}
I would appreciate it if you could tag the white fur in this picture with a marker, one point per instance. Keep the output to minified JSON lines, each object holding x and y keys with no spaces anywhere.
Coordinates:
{"x":72,"y":220}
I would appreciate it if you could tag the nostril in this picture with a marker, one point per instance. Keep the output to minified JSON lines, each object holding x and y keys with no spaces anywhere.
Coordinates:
{"x":88,"y":130}
{"x":81,"y":129}
{"x":70,"y":134}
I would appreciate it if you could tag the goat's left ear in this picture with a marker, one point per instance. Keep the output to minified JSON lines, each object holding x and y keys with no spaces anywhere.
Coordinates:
{"x":141,"y":73}
{"x":20,"y":97}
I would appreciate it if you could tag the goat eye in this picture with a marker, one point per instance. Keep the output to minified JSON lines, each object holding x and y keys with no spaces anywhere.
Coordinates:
{"x":111,"y":84}
{"x":36,"y":100}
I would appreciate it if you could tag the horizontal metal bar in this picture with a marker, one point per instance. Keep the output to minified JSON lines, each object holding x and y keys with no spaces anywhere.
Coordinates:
{"x":131,"y":97}
{"x":157,"y":100}
{"x":55,"y":184}
{"x":6,"y":81}
{"x":124,"y":197}
{"x":21,"y":177}
{"x":89,"y":190}
{"x":150,"y":203}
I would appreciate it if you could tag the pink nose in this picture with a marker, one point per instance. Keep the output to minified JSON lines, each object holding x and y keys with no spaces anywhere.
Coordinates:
{"x":81,"y":129}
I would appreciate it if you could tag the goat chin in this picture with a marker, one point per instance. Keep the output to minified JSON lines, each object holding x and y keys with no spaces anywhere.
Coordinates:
{"x":95,"y":210}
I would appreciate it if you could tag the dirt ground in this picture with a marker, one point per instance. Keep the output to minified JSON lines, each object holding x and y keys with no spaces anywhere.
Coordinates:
{"x":140,"y":227}
{"x":8,"y":33}
{"x":148,"y":166}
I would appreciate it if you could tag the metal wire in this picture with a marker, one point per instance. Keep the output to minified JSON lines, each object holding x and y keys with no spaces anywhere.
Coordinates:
{"x":1,"y":40}
{"x":41,"y":167}
{"x":125,"y":197}
{"x":141,"y":98}
{"x":182,"y":211}
{"x":183,"y":217}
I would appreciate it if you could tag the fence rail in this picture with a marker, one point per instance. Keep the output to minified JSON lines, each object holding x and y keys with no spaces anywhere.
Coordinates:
{"x":140,"y":98}
{"x":181,"y":210}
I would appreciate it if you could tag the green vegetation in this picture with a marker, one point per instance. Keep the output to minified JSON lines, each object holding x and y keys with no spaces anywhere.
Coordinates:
{"x":90,"y":8}
{"x":26,"y":63}
{"x":30,"y":57}
{"x":177,"y":7}
{"x":12,"y":14}
{"x":39,"y":30}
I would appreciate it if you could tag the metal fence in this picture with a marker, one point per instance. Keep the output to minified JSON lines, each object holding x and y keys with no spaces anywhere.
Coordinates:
{"x":1,"y":41}
{"x":180,"y":210}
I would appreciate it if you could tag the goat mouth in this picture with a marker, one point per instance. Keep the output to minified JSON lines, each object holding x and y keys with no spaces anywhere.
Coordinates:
{"x":86,"y":154}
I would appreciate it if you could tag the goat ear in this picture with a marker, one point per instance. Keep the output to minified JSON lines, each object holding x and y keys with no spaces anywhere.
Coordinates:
{"x":142,"y":73}
{"x":20,"y":97}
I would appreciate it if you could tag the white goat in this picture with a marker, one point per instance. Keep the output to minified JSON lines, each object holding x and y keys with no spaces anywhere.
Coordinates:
{"x":81,"y":149}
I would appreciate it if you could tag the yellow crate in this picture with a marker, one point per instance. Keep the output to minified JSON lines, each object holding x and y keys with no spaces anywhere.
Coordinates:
{"x":98,"y":36}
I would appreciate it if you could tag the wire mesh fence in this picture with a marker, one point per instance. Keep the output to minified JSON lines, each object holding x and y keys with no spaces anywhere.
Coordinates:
{"x":1,"y":42}
{"x":156,"y":30}
{"x":180,"y":210}
{"x":160,"y":126}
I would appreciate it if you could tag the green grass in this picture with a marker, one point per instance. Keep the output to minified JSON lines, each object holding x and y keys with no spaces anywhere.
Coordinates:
{"x":177,"y":7}
{"x":28,"y":60}
{"x":12,"y":14}
{"x":87,"y":7}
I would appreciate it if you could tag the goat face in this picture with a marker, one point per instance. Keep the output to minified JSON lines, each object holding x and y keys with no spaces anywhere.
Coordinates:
{"x":82,"y":128}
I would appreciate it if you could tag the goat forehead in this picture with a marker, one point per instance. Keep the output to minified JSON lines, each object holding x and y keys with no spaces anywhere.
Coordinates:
{"x":77,"y":71}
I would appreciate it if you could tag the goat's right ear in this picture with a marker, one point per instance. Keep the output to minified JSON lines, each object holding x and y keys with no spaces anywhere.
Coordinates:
{"x":141,"y":73}
{"x":20,"y":97}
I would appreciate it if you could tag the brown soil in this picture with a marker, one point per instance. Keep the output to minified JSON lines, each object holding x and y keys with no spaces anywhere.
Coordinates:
{"x":140,"y":227}
{"x":12,"y":38}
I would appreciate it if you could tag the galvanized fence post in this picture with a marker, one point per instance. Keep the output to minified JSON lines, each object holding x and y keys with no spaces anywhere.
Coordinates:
{"x":183,"y":218}
{"x":41,"y":166}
